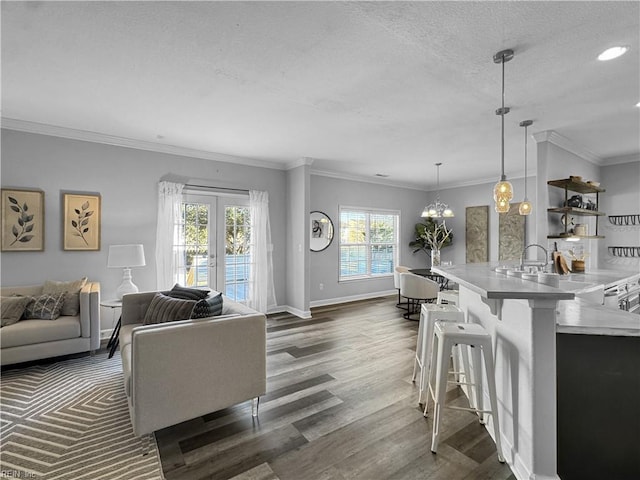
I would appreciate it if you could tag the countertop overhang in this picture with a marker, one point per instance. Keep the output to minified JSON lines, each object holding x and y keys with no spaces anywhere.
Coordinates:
{"x":482,"y":279}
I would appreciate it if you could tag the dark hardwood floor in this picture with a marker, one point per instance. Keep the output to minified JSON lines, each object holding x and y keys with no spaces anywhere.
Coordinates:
{"x":340,"y":405}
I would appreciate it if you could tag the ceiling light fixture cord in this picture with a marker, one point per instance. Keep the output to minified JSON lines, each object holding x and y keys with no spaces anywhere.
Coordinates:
{"x":503,"y":190}
{"x":525,"y":207}
{"x":437,"y":209}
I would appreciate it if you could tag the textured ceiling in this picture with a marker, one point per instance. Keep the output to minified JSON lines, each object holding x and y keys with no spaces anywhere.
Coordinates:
{"x":360,"y":87}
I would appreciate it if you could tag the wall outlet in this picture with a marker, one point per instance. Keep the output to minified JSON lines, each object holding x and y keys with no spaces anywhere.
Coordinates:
{"x":322,"y":286}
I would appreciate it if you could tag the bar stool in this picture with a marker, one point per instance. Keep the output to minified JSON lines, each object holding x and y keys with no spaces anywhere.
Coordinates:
{"x":449,"y":296}
{"x":448,"y":334}
{"x":429,"y":314}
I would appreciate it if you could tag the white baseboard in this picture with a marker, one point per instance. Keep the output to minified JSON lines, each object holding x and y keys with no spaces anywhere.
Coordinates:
{"x":352,"y":298}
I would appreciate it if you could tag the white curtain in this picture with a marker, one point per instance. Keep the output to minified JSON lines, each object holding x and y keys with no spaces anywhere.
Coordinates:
{"x":261,"y":290}
{"x":169,"y":202}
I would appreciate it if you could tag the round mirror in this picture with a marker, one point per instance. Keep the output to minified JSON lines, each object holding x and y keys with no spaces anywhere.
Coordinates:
{"x":321,"y":231}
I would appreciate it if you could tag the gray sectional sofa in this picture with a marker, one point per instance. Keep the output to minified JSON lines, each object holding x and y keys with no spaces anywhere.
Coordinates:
{"x":36,"y":339}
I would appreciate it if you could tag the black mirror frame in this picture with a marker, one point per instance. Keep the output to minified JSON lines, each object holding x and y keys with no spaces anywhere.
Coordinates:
{"x":331,"y":231}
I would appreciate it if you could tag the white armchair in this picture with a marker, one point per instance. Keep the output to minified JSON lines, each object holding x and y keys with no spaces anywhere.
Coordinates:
{"x":181,"y":370}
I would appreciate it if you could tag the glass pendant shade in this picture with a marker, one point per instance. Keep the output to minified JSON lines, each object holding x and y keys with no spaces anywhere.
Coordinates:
{"x":525,"y":207}
{"x":502,"y":195}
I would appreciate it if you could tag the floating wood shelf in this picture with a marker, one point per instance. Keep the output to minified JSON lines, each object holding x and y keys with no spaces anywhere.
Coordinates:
{"x":580,"y":187}
{"x":576,"y":211}
{"x":561,"y":236}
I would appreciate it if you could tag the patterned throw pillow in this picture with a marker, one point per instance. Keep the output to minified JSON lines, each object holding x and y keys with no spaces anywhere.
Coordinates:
{"x":208,"y":307}
{"x":188,"y":293}
{"x":71,"y":304}
{"x":44,"y":307}
{"x":167,"y":309}
{"x":12,"y":309}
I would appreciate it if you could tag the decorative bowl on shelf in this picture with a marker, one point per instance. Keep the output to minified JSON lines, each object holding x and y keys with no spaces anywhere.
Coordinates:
{"x":575,"y":178}
{"x":593,"y":184}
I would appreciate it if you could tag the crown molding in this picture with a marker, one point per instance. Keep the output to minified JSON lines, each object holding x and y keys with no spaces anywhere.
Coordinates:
{"x":554,"y":137}
{"x":94,"y":137}
{"x":301,"y":162}
{"x":357,"y":178}
{"x":634,"y":157}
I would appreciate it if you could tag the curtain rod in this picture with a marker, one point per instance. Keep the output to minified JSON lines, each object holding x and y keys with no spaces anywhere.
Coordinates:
{"x":209,"y":187}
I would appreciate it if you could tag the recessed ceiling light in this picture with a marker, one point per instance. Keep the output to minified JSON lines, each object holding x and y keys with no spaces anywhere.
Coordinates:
{"x":613,"y":52}
{"x":638,"y":104}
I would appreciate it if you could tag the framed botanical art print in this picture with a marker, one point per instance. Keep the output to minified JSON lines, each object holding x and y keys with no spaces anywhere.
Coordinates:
{"x":22,"y":220}
{"x":81,"y":228}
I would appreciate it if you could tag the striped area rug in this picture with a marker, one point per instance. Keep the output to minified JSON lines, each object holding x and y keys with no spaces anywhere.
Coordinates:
{"x":70,"y":420}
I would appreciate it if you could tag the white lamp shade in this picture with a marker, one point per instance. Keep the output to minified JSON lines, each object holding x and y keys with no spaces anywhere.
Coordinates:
{"x":126,"y":256}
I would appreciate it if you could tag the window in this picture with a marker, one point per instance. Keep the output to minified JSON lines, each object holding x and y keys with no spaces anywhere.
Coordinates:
{"x":368,"y":242}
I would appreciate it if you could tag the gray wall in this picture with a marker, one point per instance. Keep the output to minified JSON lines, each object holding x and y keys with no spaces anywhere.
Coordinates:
{"x":127,"y":181}
{"x":557,"y":163}
{"x":298,"y":243}
{"x":327,"y":195}
{"x":621,"y":198}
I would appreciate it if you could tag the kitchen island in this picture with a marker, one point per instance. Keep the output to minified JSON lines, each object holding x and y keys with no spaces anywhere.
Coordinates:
{"x":524,"y":318}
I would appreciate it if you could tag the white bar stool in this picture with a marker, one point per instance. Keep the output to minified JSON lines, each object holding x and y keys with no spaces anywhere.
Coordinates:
{"x":448,"y":334}
{"x":429,"y":314}
{"x":449,"y":296}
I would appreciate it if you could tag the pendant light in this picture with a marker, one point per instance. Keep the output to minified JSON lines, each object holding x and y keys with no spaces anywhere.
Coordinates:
{"x":437,"y":209}
{"x":525,"y":206}
{"x":503,"y":190}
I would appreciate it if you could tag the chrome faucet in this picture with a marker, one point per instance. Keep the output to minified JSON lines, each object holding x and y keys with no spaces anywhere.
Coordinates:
{"x":539,"y":266}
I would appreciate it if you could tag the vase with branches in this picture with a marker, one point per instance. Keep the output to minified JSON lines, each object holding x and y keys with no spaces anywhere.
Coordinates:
{"x":431,"y":237}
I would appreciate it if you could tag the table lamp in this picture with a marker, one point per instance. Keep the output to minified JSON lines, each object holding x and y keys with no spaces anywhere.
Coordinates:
{"x":126,"y":257}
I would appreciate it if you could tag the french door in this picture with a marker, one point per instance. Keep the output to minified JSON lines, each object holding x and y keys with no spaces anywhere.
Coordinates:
{"x":214,"y":244}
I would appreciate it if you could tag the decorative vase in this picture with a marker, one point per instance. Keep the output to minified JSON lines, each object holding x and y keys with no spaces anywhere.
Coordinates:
{"x":435,"y":258}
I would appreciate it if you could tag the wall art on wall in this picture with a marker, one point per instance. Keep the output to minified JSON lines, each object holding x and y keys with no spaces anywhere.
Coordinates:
{"x":511,"y":234}
{"x":477,"y":234}
{"x":22,"y":220}
{"x":81,"y":229}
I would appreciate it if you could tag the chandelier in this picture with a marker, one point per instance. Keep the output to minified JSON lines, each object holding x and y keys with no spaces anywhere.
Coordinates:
{"x":437,"y":209}
{"x":503,"y":190}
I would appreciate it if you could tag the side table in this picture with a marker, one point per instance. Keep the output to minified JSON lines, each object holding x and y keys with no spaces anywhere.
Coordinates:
{"x":113,"y":341}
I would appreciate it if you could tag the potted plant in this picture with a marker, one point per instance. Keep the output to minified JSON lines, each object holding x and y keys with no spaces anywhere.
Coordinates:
{"x":431,"y":236}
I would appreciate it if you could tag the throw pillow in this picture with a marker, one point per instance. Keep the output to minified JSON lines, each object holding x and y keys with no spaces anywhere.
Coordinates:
{"x":44,"y":307}
{"x":12,"y":309}
{"x":186,"y":293}
{"x":167,"y":309}
{"x":71,"y":304}
{"x":208,"y":307}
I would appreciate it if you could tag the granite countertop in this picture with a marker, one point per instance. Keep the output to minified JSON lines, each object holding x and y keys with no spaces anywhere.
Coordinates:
{"x":580,"y":317}
{"x":482,"y":279}
{"x":574,"y":315}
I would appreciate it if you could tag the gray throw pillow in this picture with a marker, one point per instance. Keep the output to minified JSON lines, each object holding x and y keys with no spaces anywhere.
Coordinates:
{"x":44,"y":307}
{"x":71,"y":303}
{"x":208,"y":307}
{"x":12,"y":309}
{"x":167,"y":309}
{"x":187,"y":293}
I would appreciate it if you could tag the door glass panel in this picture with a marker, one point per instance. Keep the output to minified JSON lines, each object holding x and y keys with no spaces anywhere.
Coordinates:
{"x":193,"y":270}
{"x":237,"y":253}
